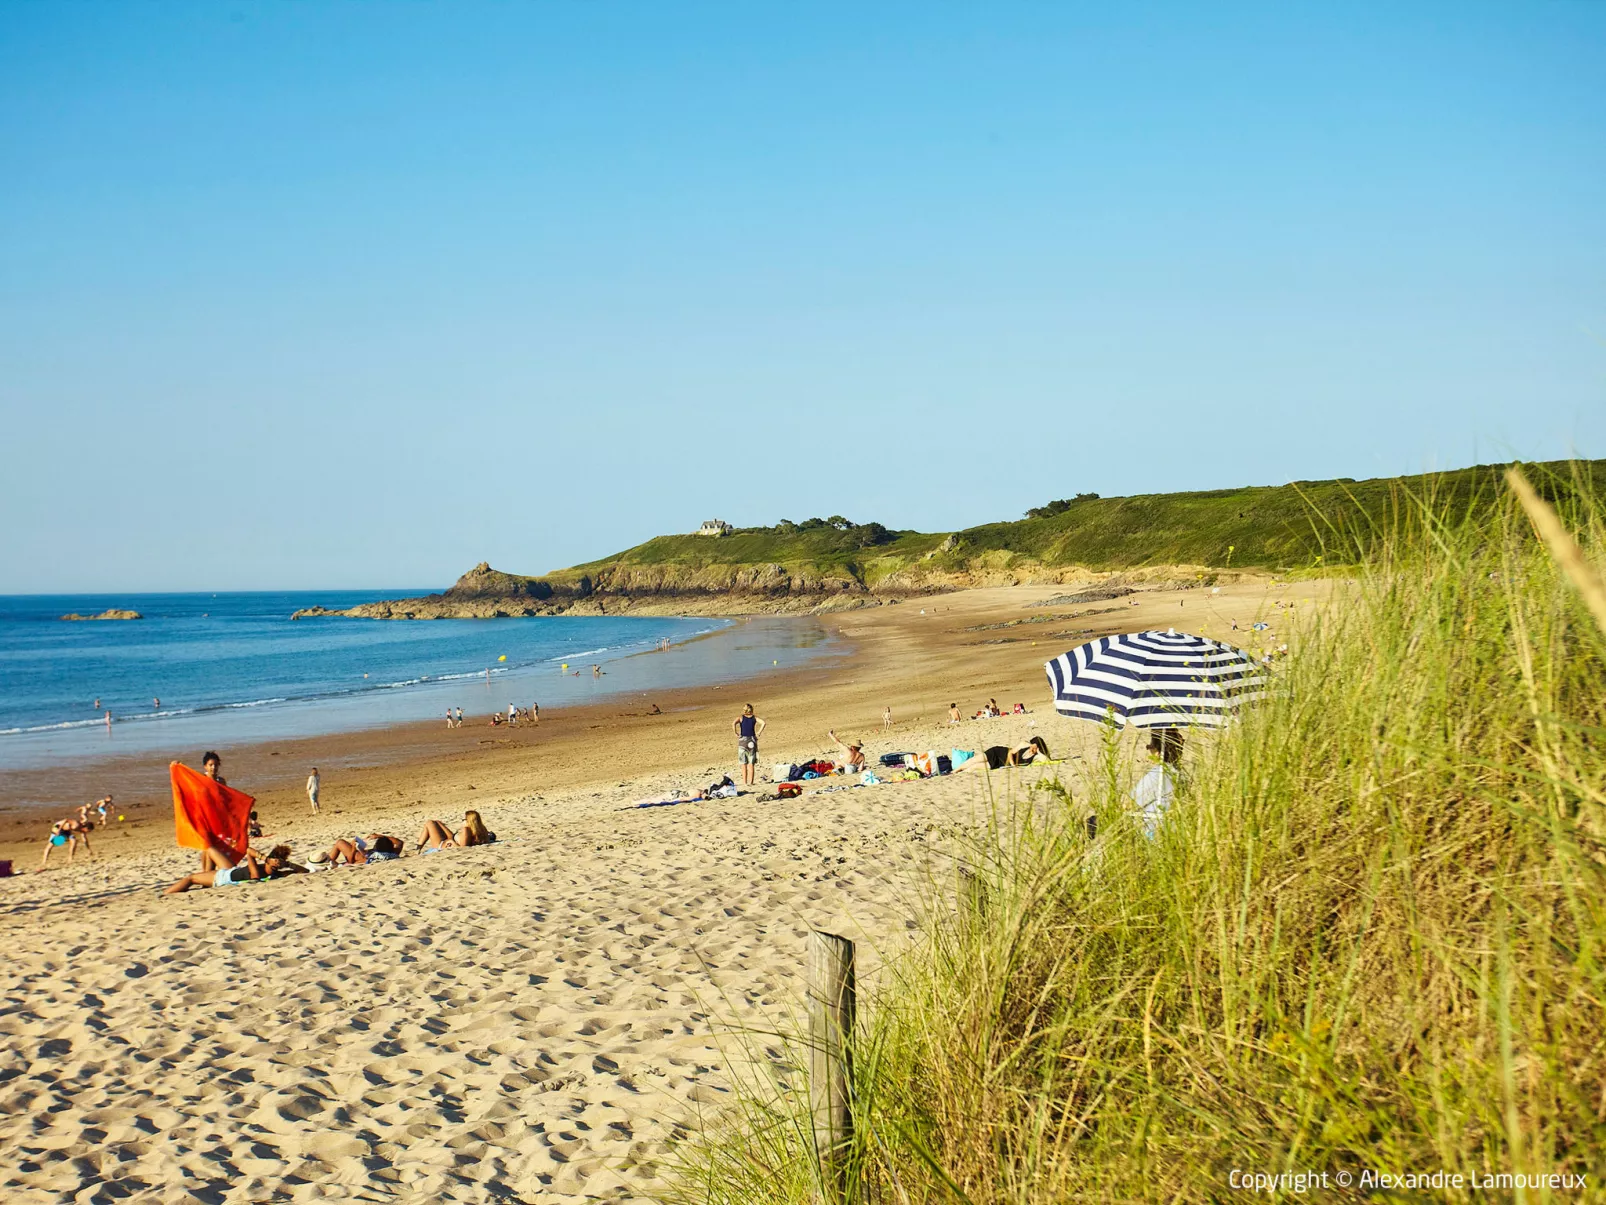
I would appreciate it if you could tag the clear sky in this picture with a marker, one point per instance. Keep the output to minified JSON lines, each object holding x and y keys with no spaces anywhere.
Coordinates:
{"x":338,"y":295}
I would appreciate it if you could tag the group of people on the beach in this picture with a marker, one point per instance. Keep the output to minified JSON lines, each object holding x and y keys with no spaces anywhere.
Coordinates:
{"x":988,"y":711}
{"x":220,"y":867}
{"x":530,"y":715}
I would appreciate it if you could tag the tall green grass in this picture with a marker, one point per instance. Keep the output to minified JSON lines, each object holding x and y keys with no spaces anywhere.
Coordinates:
{"x":1369,"y":934}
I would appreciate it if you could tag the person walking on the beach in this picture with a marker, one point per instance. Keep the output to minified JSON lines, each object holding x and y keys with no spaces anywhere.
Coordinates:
{"x":459,"y":717}
{"x":448,"y":717}
{"x":886,"y":718}
{"x":108,"y":719}
{"x":535,"y":713}
{"x":312,"y":789}
{"x":512,"y":715}
{"x":748,"y":728}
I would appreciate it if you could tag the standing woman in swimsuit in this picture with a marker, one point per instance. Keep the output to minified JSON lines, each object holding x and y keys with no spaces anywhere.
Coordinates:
{"x":748,"y":727}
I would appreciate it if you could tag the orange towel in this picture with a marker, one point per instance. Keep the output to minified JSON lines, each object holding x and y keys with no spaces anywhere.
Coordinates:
{"x":205,"y":812}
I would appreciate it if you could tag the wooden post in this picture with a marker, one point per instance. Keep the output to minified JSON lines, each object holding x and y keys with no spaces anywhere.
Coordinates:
{"x":832,"y":1004}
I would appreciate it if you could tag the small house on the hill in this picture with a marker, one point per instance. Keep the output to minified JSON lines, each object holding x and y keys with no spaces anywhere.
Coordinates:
{"x":715,"y":527}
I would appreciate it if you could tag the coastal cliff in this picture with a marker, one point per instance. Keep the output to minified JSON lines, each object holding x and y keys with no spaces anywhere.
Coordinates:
{"x":1151,"y":540}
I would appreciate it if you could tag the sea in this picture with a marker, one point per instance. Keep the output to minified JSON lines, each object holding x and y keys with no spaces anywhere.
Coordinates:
{"x":233,"y":668}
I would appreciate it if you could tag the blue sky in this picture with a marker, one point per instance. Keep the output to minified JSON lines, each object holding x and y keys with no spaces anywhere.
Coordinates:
{"x":305,"y":295}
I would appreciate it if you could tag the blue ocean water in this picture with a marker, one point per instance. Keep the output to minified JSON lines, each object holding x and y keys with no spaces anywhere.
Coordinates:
{"x":234,"y":668}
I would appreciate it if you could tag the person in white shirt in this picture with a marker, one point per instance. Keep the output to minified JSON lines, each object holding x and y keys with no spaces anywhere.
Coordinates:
{"x":312,"y":789}
{"x":1158,"y":787}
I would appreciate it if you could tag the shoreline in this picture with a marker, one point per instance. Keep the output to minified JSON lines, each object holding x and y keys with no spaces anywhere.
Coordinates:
{"x":138,"y":779}
{"x":899,"y":656}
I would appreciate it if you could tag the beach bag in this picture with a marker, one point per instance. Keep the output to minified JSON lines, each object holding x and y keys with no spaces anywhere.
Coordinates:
{"x":783,"y":771}
{"x":893,"y":759}
{"x":961,"y":756}
{"x":944,"y":764}
{"x":926,"y":763}
{"x":789,"y":790}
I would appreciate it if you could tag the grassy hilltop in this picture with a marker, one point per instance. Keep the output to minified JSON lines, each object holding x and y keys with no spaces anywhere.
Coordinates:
{"x":1261,"y":527}
{"x":834,"y":562}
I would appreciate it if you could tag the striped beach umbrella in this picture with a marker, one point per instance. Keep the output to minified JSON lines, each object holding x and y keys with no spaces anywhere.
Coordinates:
{"x":1155,"y":680}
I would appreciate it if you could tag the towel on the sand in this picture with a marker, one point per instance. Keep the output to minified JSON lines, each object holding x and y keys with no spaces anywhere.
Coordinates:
{"x":205,"y":812}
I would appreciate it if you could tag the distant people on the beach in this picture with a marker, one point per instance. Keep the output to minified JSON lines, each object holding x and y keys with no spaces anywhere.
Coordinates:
{"x":748,"y":729}
{"x":654,"y":710}
{"x":459,"y":717}
{"x":108,"y":719}
{"x":253,"y":826}
{"x":535,"y":713}
{"x":449,"y":723}
{"x":313,"y":783}
{"x":886,"y":718}
{"x":596,"y":671}
{"x":212,"y":767}
{"x":496,"y":719}
{"x":98,"y":807}
{"x":853,"y":749}
{"x":512,"y":715}
{"x":68,"y":832}
{"x":953,"y":713}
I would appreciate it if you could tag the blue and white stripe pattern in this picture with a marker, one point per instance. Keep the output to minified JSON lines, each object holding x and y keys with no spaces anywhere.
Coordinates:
{"x":1155,"y":680}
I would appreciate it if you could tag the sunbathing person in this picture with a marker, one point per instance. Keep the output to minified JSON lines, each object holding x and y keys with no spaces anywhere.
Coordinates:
{"x":854,"y":750}
{"x":435,"y":836}
{"x":473,"y":831}
{"x":1034,"y":750}
{"x":375,"y":847}
{"x":226,"y":872}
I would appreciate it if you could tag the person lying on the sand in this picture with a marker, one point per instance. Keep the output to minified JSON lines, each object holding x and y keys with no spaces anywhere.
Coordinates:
{"x":998,"y":756}
{"x":68,"y":832}
{"x":854,"y":750}
{"x":437,"y":836}
{"x":225,"y":872}
{"x":375,"y":847}
{"x":1034,"y":750}
{"x":473,"y":831}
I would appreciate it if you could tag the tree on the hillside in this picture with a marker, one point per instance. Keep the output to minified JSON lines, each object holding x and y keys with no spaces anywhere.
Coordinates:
{"x":867,"y":535}
{"x":1058,"y":507}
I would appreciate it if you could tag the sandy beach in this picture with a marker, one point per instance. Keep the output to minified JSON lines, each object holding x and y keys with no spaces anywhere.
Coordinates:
{"x":536,"y":1020}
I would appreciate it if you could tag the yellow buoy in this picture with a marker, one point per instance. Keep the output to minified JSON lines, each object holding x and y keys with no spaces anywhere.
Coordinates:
{"x":503,"y":657}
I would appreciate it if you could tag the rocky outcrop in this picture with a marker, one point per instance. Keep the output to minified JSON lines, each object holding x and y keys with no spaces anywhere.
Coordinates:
{"x":487,"y":593}
{"x":109,"y":613}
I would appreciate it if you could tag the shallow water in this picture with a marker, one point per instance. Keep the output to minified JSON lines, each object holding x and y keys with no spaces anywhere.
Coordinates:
{"x":234,"y":668}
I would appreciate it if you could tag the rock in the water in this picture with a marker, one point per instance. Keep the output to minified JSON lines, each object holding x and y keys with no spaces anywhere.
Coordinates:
{"x":109,"y":613}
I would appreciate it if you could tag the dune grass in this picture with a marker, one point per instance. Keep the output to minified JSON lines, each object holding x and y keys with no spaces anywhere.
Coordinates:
{"x":1368,"y":937}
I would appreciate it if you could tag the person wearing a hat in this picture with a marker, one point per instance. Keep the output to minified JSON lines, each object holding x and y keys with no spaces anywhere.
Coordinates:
{"x":854,"y":750}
